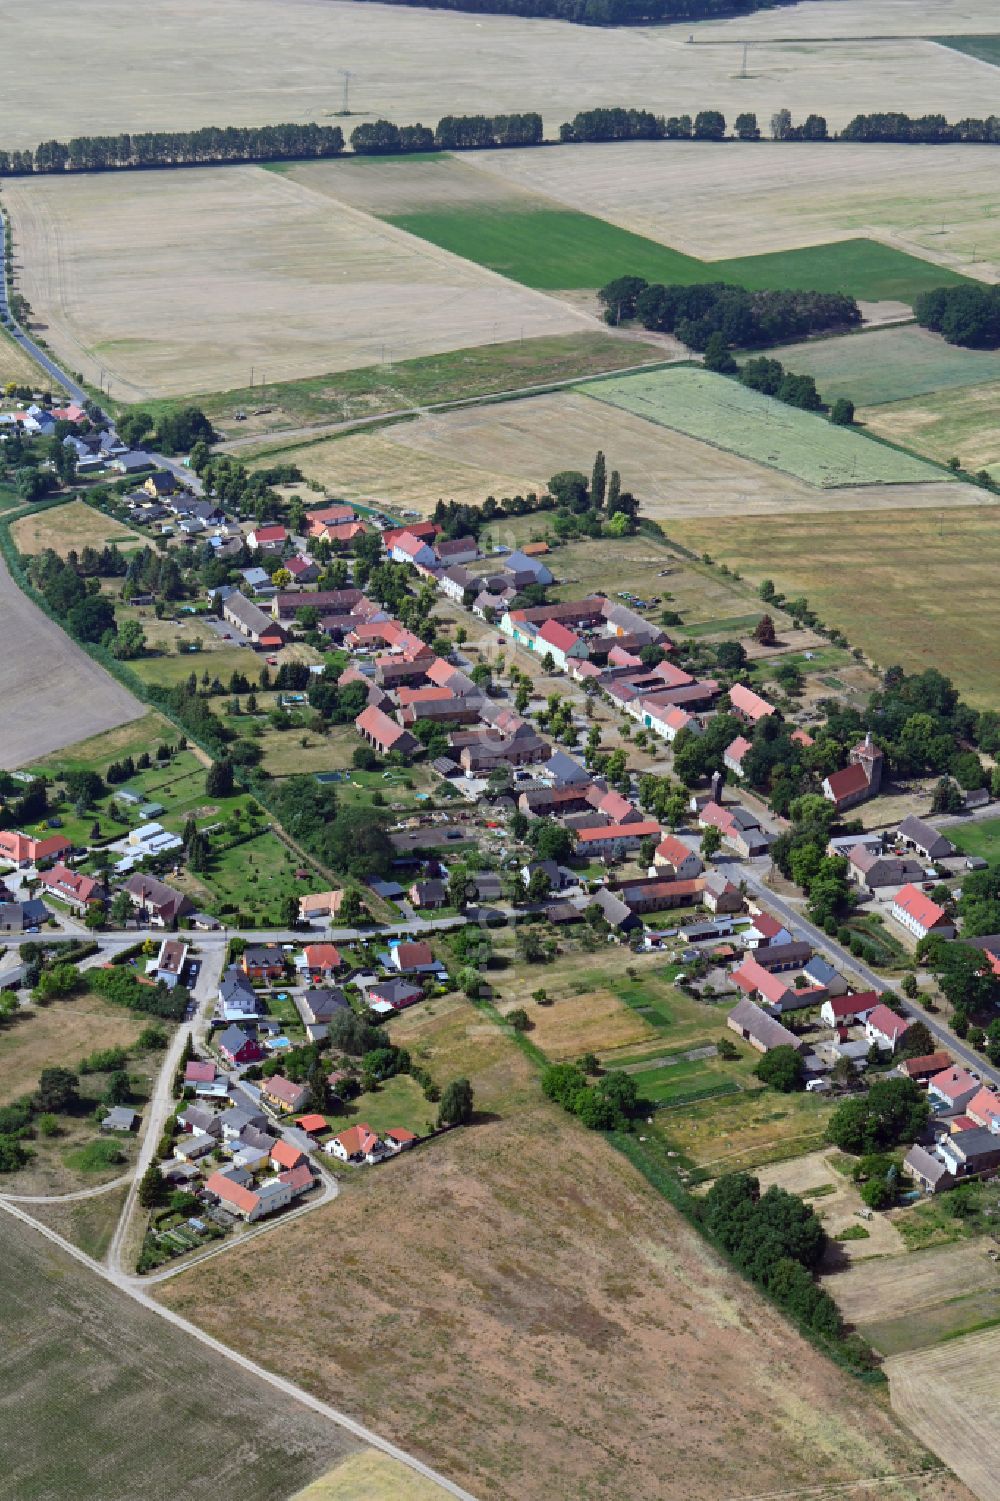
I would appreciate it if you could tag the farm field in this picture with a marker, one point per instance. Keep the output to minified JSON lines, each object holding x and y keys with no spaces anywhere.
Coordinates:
{"x":71,"y":1338}
{"x":73,"y":526}
{"x":948,"y":1397}
{"x":512,"y":447}
{"x":730,"y":416}
{"x":16,"y":365}
{"x":986,"y":48}
{"x":744,"y":1131}
{"x":73,"y":697}
{"x":242,"y":65}
{"x":934,"y":202}
{"x":371,"y":1475}
{"x":330,"y":289}
{"x":509,"y":1231}
{"x":835,"y":559}
{"x":963,"y":423}
{"x":908,"y":1285}
{"x":888,"y":365}
{"x":847,"y":18}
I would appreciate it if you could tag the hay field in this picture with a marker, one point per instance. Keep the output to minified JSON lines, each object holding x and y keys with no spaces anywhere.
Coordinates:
{"x":104,"y":1401}
{"x":53,"y":693}
{"x":950,"y":1398}
{"x":492,"y":1290}
{"x":728,"y":415}
{"x":936,"y":202}
{"x":69,"y":527}
{"x":889,"y":365}
{"x":512,"y":447}
{"x":597,"y":1022}
{"x":964,"y":423}
{"x":249,"y":61}
{"x":17,"y":366}
{"x":371,"y":1475}
{"x":926,"y":579}
{"x":156,"y":279}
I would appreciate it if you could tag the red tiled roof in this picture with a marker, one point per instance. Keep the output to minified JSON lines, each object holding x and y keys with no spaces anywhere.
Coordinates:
{"x":411,"y":954}
{"x":233,"y":1193}
{"x":618,"y":831}
{"x":984,"y":1107}
{"x":70,"y":883}
{"x":199,"y":1073}
{"x":283,"y":1089}
{"x":847,"y":1006}
{"x":322,"y":956}
{"x":745,"y":701}
{"x":554,"y":634}
{"x":918,"y":905}
{"x":401,"y":1135}
{"x":285,"y":1155}
{"x":673,"y":849}
{"x":846,"y":782}
{"x":360,"y":1138}
{"x":270,"y":533}
{"x":737,"y":749}
{"x":752,"y":978}
{"x":952,"y":1082}
{"x":297,"y":1177}
{"x":383,"y":730}
{"x":887,"y":1022}
{"x":312,"y":1123}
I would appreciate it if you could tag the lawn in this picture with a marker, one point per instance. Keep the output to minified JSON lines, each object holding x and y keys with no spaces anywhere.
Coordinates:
{"x":982,"y":839}
{"x":882,"y":365}
{"x":836,"y":559}
{"x":727,"y":415}
{"x":986,"y":48}
{"x":554,"y":249}
{"x":397,"y":1102}
{"x":87,"y":1370}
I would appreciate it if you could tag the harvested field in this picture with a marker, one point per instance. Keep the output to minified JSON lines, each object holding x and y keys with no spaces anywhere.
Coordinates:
{"x":501,"y":1249}
{"x":889,"y":365}
{"x":949,"y":1397}
{"x":371,"y":1475}
{"x":934,"y":202}
{"x":910,"y":1284}
{"x":53,"y":693}
{"x":244,"y":64}
{"x":61,"y":1033}
{"x":945,"y":424}
{"x":326,"y":288}
{"x":571,"y":1025}
{"x":85,"y":1368}
{"x":834,"y":560}
{"x":511,"y":447}
{"x":730,"y":416}
{"x":851,"y":18}
{"x":73,"y":526}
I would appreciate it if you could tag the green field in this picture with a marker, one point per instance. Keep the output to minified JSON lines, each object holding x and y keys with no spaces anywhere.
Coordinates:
{"x":888,"y":364}
{"x":982,"y":839}
{"x":397,"y":1102}
{"x":963,"y":423}
{"x":727,"y":415}
{"x":986,"y":48}
{"x":106,"y":1401}
{"x":559,"y":250}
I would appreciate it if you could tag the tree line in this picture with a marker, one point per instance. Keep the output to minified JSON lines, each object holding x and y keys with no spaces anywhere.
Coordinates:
{"x":925,"y":130}
{"x":209,"y":146}
{"x":966,"y":315}
{"x":452,"y":133}
{"x":602,"y":12}
{"x":742,"y":319}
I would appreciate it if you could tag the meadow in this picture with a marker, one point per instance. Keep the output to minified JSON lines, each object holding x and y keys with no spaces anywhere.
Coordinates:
{"x":19,"y":367}
{"x":73,"y":526}
{"x":727,"y":415}
{"x":981,"y":838}
{"x":884,"y":365}
{"x":84,"y":1364}
{"x":962,"y":423}
{"x":835,"y":560}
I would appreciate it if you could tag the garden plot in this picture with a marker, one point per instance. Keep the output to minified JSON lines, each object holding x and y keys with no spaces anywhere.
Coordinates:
{"x":721,"y":412}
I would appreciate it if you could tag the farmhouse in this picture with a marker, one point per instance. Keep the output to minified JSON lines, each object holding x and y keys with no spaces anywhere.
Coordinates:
{"x":251,"y":621}
{"x":916,"y":912}
{"x":841,"y":1010}
{"x":872,"y":871}
{"x":384,"y":734}
{"x":984,"y":1109}
{"x":250,"y":1204}
{"x":357,"y":1144}
{"x":734,"y":754}
{"x":884,"y":1027}
{"x":396,"y":994}
{"x":614,"y":840}
{"x":719,"y":894}
{"x":675,"y":856}
{"x":749,"y":706}
{"x":760,"y":1030}
{"x":78,"y":891}
{"x":915,"y":834}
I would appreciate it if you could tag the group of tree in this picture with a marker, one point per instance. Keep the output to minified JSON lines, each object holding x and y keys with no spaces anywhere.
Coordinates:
{"x":599,"y":498}
{"x":354,"y":841}
{"x":57,"y":1093}
{"x":452,"y":133}
{"x":967,"y":315}
{"x":740,"y":318}
{"x":770,"y":377}
{"x":777,"y":1241}
{"x":603,"y":1106}
{"x":207,"y":146}
{"x":603,"y":12}
{"x":891,"y":1111}
{"x":931,"y":130}
{"x":119,"y":985}
{"x":174,"y":431}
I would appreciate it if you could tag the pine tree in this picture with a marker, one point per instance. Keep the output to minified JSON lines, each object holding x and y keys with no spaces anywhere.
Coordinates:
{"x":614,"y":491}
{"x":598,"y":481}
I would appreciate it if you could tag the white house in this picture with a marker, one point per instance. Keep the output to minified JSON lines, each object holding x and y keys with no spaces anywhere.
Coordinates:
{"x":914,"y":910}
{"x":885,"y":1028}
{"x":672,"y":854}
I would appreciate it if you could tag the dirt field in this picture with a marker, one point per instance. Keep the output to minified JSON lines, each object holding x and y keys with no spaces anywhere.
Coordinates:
{"x":835,"y":560}
{"x":949,"y":1397}
{"x":838,"y":1209}
{"x":963,"y":423}
{"x":315,"y":288}
{"x":518,"y":1269}
{"x":244,"y":63}
{"x":371,"y":1475}
{"x":935,"y":201}
{"x":86,"y":1370}
{"x":52,"y":692}
{"x":73,"y":526}
{"x":513,"y":447}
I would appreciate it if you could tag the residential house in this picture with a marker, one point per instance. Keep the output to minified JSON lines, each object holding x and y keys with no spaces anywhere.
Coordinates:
{"x":984,"y":1109}
{"x":321,"y":959}
{"x":738,"y":827}
{"x":237,"y":1000}
{"x":928,"y":1169}
{"x":392,"y":994}
{"x":760,"y":984}
{"x":915,"y":911}
{"x":953,"y":1088}
{"x":413,"y":958}
{"x":156,"y":903}
{"x":317,"y":522}
{"x":269,"y":538}
{"x":916,"y":834}
{"x":319,"y":904}
{"x":674,"y":858}
{"x":196,"y":1072}
{"x":398,"y":1139}
{"x":285,"y":1156}
{"x":120,"y":1118}
{"x":250,"y":620}
{"x":23,"y":850}
{"x":760,"y":1030}
{"x":428,"y":895}
{"x":842,"y":1010}
{"x":406,"y":548}
{"x":263,"y":961}
{"x":719,"y":893}
{"x":818,"y":972}
{"x":302,"y":569}
{"x":860,"y":780}
{"x":356,"y":1145}
{"x":320,"y":1004}
{"x":615,"y":840}
{"x":239,"y":1047}
{"x":283,"y":1094}
{"x":249,"y":1203}
{"x":298,"y":1180}
{"x":560,"y":643}
{"x":23,"y":917}
{"x":749,"y":706}
{"x":458,"y":583}
{"x":734,"y":753}
{"x":70,"y":886}
{"x":765,"y":929}
{"x":885,"y":1028}
{"x":520,"y":564}
{"x":455,"y":551}
{"x":969,"y":1154}
{"x":170,"y":962}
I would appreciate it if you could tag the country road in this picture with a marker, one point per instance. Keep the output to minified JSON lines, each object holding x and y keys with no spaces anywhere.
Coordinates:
{"x":73,"y":389}
{"x":279,"y":1383}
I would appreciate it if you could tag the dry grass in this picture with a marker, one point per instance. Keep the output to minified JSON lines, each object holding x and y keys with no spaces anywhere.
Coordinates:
{"x":936,"y":202}
{"x":53,"y":693}
{"x":17,"y":366}
{"x":848,"y":18}
{"x":963,"y":423}
{"x":119,"y":288}
{"x":941,"y":566}
{"x":245,"y":63}
{"x":513,"y":447}
{"x":596,"y":1022}
{"x":519,"y":1269}
{"x":371,"y":1475}
{"x":68,"y":527}
{"x":910,"y":1284}
{"x":61,"y":1033}
{"x":950,"y":1399}
{"x":87,"y":1223}
{"x":94,"y":753}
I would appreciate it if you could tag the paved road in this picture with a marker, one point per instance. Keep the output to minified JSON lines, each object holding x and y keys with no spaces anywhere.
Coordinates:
{"x":48,"y":364}
{"x":846,"y":960}
{"x":333,"y":1414}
